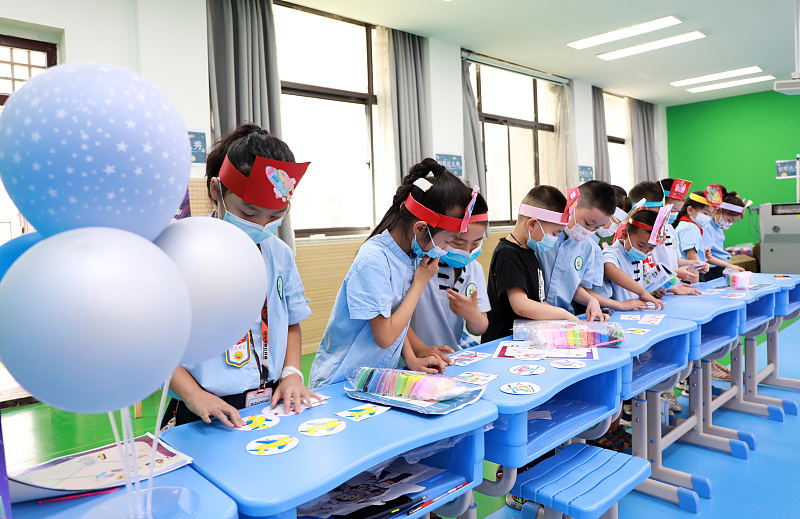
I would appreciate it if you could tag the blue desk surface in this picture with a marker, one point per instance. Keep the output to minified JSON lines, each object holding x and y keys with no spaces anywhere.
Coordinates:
{"x":270,"y":485}
{"x":698,"y":308}
{"x":638,"y":344}
{"x":750,"y":296}
{"x":215,"y":504}
{"x":551,"y":381}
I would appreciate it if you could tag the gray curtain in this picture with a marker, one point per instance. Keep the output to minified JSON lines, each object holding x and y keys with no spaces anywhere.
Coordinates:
{"x":413,"y":139}
{"x":243,"y":71}
{"x":474,"y":162}
{"x":602,"y":169}
{"x":643,"y":141}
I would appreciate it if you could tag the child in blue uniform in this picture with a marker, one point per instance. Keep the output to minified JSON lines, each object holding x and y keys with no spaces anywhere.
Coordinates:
{"x":452,"y":309}
{"x":696,"y":211}
{"x":267,"y":359}
{"x":516,"y":283}
{"x":370,"y":318}
{"x":571,"y":266}
{"x":730,"y":211}
{"x":668,"y":253}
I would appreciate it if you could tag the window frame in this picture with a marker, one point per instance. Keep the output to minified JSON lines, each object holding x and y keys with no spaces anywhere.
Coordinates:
{"x":612,"y":138}
{"x":50,"y":50}
{"x":508,"y":122}
{"x":368,"y":99}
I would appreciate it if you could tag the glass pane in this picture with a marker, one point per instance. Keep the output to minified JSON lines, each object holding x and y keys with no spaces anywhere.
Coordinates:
{"x":337,"y":189}
{"x":38,"y":58}
{"x":5,"y":53}
{"x":620,"y":162}
{"x":20,"y":72}
{"x":20,"y":56}
{"x":506,"y":93}
{"x":18,"y":85}
{"x":523,"y":174}
{"x":5,"y":70}
{"x":547,"y":97}
{"x":495,"y":137}
{"x":35,"y":71}
{"x":616,"y":109}
{"x":5,"y":86}
{"x":320,"y":51}
{"x":548,"y":172}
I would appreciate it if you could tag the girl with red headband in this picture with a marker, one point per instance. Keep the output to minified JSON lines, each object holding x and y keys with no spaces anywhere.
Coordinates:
{"x":369,"y":323}
{"x":251,"y":177}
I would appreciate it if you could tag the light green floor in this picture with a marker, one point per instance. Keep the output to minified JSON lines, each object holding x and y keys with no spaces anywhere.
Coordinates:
{"x":38,"y":432}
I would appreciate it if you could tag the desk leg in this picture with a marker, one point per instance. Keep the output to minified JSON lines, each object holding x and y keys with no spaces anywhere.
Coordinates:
{"x":769,"y":375}
{"x":664,"y":483}
{"x":700,"y":406}
{"x":743,"y":385}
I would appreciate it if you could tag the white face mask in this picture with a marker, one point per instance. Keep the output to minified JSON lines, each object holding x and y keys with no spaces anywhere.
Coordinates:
{"x":608,"y":233}
{"x":578,"y":232}
{"x":702,"y":219}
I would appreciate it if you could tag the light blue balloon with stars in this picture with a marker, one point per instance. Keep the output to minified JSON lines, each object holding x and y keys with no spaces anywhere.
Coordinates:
{"x":89,"y":144}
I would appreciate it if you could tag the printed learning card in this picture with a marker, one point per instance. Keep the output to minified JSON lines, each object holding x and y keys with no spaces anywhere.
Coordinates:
{"x":463,"y":358}
{"x":363,"y":412}
{"x":654,"y":319}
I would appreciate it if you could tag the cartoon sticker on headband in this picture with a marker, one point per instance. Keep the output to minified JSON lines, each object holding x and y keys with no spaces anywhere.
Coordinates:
{"x":282,"y":183}
{"x":680,"y":188}
{"x":714,"y":194}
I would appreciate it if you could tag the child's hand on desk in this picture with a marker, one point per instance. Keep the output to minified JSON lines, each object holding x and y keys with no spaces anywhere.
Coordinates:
{"x":436,"y":351}
{"x":594,"y":312}
{"x":207,"y":406}
{"x":569,"y":316}
{"x":463,"y":306}
{"x":426,"y":269}
{"x":688,"y":275}
{"x":429,"y":364}
{"x":648,"y":298}
{"x":683,"y":290}
{"x":632,"y":304}
{"x":294,"y":394}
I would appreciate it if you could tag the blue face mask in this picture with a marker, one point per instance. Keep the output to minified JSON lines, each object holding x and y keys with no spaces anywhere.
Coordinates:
{"x":256,"y":232}
{"x":459,"y":259}
{"x":672,"y":217}
{"x":435,"y":252}
{"x":547,"y":242}
{"x":702,"y":219}
{"x":635,"y":254}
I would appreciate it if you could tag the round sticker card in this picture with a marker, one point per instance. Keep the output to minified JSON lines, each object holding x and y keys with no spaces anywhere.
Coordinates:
{"x":533,"y":355}
{"x":567,"y":363}
{"x":520,"y":388}
{"x":269,"y":445}
{"x":526,"y":369}
{"x":258,"y":422}
{"x":322,"y":427}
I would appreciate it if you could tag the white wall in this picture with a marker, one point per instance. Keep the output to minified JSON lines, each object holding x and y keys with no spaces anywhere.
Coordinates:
{"x":443,"y":74}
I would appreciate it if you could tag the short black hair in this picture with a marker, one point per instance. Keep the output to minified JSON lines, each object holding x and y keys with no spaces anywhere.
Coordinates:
{"x":650,"y":191}
{"x":546,"y":197}
{"x":623,"y":200}
{"x":645,"y":217}
{"x":598,"y":194}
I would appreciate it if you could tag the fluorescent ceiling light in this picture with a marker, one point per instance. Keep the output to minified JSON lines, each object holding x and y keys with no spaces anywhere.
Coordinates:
{"x":728,"y":84}
{"x":714,"y":77}
{"x":652,"y":45}
{"x":625,"y":32}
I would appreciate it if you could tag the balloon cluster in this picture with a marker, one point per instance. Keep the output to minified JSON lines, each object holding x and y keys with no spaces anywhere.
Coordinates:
{"x":100,"y":305}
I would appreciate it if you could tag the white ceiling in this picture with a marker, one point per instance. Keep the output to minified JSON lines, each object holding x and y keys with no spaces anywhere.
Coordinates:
{"x":740,"y":33}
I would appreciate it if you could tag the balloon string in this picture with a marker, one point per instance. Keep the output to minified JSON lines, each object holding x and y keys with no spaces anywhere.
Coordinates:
{"x":123,"y":460}
{"x":127,"y":427}
{"x":164,"y":393}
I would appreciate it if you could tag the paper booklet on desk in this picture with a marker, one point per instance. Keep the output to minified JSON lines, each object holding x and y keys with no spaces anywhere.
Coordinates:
{"x":90,"y":470}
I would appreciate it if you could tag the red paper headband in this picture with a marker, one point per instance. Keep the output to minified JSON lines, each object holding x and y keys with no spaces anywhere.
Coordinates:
{"x":270,"y":185}
{"x":642,"y":225}
{"x":441,"y":221}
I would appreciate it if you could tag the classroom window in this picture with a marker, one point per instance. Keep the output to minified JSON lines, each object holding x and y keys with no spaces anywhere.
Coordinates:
{"x":20,"y":60}
{"x":518,"y":115}
{"x":327,"y":106}
{"x":618,"y":135}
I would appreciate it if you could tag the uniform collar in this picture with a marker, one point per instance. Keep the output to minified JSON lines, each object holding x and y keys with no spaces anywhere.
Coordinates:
{"x":387,"y":241}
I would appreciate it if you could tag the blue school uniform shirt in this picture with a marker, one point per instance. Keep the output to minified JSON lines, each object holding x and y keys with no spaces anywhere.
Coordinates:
{"x":286,"y":305}
{"x":615,"y":254}
{"x":433,"y":321}
{"x":566,"y":266}
{"x":714,"y":239}
{"x":376,"y":284}
{"x":690,"y":237}
{"x":604,"y":288}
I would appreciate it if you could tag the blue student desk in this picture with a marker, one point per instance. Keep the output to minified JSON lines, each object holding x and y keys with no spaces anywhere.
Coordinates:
{"x":214,"y":503}
{"x":274,"y":486}
{"x":659,"y":357}
{"x":577,"y":399}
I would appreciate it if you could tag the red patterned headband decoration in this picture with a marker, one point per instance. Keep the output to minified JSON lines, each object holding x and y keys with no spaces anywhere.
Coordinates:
{"x":679,"y":189}
{"x":270,"y":185}
{"x":441,"y":221}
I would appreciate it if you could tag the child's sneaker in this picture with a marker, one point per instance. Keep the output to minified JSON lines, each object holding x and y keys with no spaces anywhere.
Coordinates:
{"x":720,"y":372}
{"x":674,"y":405}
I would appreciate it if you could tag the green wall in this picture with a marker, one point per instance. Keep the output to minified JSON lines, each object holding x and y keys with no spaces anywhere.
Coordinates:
{"x":735,"y":142}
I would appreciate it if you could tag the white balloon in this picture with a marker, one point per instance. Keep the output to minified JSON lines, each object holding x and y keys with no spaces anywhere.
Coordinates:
{"x":226,"y":278}
{"x":93,"y":319}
